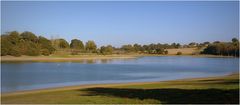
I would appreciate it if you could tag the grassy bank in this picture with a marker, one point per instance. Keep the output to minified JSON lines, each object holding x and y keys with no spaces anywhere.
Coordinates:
{"x":55,"y":58}
{"x":223,"y":89}
{"x":59,"y":58}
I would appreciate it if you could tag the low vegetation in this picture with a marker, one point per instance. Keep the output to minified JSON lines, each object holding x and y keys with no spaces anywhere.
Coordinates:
{"x":27,"y":43}
{"x":179,"y":53}
{"x":214,"y":90}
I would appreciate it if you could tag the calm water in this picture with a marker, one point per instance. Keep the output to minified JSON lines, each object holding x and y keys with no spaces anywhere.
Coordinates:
{"x":16,"y":76}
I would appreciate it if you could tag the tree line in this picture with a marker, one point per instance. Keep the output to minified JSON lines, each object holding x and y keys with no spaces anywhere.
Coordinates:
{"x":223,"y":48}
{"x":27,"y":43}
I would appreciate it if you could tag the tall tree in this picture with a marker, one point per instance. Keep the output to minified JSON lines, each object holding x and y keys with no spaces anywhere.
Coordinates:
{"x":234,"y":40}
{"x":235,"y":46}
{"x":46,"y":46}
{"x":77,"y":44}
{"x":14,"y":37}
{"x":91,"y":46}
{"x":6,"y":45}
{"x":137,"y":47}
{"x":63,"y":43}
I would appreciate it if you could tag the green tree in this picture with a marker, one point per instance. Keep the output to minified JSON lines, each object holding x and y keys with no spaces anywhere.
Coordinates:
{"x":14,"y":51}
{"x":45,"y":44}
{"x":77,"y":44}
{"x":14,"y":37}
{"x":223,"y":48}
{"x":235,"y":43}
{"x":178,"y":45}
{"x":29,"y":44}
{"x":4,"y":51}
{"x":9,"y":44}
{"x":128,"y":48}
{"x":29,"y":36}
{"x":137,"y":47}
{"x":5,"y":45}
{"x":91,"y":46}
{"x":33,"y":49}
{"x":26,"y":43}
{"x":145,"y":48}
{"x":173,"y":45}
{"x":106,"y":50}
{"x":235,"y":40}
{"x":159,"y":51}
{"x":63,"y":43}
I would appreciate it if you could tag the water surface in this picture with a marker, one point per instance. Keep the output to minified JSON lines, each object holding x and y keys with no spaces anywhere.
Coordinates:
{"x":17,"y":76}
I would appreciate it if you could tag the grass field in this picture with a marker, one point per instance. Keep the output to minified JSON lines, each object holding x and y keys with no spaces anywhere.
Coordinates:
{"x":184,"y":51}
{"x":224,"y":90}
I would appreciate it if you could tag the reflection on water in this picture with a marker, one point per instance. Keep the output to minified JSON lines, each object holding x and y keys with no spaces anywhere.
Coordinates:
{"x":36,"y":75}
{"x":104,"y":61}
{"x":83,"y":61}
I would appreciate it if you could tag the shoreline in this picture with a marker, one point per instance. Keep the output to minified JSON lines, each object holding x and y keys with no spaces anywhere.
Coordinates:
{"x":64,"y":88}
{"x":62,"y":58}
{"x":56,"y":58}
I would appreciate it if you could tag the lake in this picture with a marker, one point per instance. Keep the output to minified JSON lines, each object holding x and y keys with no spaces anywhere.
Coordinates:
{"x":18,"y":76}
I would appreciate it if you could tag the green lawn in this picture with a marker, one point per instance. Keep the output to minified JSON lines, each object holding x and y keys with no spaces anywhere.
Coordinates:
{"x":208,"y":90}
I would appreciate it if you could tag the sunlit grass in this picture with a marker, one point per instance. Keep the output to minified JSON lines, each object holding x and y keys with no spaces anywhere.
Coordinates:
{"x":208,"y":90}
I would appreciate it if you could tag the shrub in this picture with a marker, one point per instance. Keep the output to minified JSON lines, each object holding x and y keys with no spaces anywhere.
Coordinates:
{"x":45,"y":52}
{"x":14,"y":52}
{"x":179,"y":53}
{"x":106,"y":50}
{"x":32,"y":52}
{"x":166,"y":52}
{"x":4,"y":51}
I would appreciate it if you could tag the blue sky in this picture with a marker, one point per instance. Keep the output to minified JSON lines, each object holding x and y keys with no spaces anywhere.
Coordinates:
{"x":119,"y":23}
